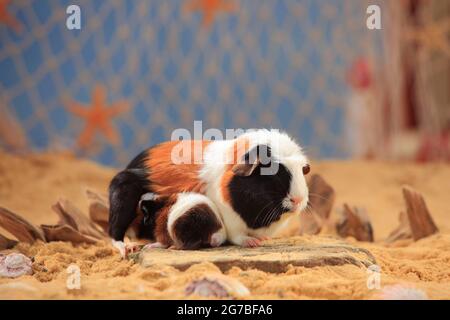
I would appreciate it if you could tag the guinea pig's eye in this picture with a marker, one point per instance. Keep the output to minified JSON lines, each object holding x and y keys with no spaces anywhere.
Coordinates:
{"x":306,"y":168}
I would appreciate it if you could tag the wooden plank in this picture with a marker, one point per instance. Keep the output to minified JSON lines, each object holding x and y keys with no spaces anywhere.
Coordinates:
{"x":274,"y":256}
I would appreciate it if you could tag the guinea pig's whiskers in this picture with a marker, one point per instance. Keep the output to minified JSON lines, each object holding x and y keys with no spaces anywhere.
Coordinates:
{"x":265,"y":217}
{"x":262,"y":211}
{"x":268,"y":218}
{"x":309,"y":209}
{"x":318,"y":196}
{"x":273,"y":214}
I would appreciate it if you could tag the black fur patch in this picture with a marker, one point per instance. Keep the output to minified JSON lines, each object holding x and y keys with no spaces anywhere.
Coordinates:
{"x":258,"y":198}
{"x":150,"y":209}
{"x":195,"y":227}
{"x":125,"y":191}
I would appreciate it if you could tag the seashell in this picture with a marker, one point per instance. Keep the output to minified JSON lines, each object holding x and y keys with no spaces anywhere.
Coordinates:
{"x":14,"y":265}
{"x":217,"y":286}
{"x":401,"y":292}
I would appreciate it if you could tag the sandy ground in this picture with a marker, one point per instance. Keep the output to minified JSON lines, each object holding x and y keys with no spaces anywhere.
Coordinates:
{"x":29,"y":185}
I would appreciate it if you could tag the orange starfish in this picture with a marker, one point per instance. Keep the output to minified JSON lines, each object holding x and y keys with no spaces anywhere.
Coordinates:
{"x":432,"y":37}
{"x":7,"y":18}
{"x":98,"y":117}
{"x":211,"y":8}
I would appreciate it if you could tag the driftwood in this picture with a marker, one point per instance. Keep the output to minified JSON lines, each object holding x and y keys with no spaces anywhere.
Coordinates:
{"x":417,"y":222}
{"x":403,"y":231}
{"x":321,"y":196}
{"x":66,"y":233}
{"x":6,"y":243}
{"x":355,"y":223}
{"x":275,"y":256}
{"x":19,"y":227}
{"x":420,"y":220}
{"x":321,"y":200}
{"x":98,"y":209}
{"x":69,"y":214}
{"x":73,"y":226}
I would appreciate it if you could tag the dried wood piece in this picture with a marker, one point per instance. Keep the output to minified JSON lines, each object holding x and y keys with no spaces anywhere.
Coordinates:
{"x":19,"y":227}
{"x":420,"y":220}
{"x":6,"y":243}
{"x":403,"y":231}
{"x":69,"y":214}
{"x":355,"y":223}
{"x":321,"y":200}
{"x":321,"y":196}
{"x":95,"y":196}
{"x":98,"y":209}
{"x":66,"y":233}
{"x":310,"y":223}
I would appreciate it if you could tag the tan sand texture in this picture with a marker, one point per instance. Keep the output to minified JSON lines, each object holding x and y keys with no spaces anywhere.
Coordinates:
{"x":30,"y":184}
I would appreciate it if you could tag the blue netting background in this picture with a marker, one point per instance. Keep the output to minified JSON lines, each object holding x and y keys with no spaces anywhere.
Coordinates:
{"x":264,"y":63}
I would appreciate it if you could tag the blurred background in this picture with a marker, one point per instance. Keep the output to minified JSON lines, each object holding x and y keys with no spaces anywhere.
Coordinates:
{"x":139,"y":69}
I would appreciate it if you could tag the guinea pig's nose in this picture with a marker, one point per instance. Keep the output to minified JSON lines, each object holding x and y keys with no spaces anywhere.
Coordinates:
{"x":296,"y":200}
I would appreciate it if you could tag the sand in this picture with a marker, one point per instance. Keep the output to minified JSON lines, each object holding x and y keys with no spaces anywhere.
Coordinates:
{"x":30,"y":184}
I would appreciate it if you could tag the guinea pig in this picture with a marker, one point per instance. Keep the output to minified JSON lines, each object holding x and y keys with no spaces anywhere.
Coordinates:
{"x":256,"y":181}
{"x":185,"y":221}
{"x":188,"y":221}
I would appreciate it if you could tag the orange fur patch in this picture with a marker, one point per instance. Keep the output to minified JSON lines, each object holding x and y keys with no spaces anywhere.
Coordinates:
{"x":135,"y":225}
{"x":166,"y":177}
{"x":161,"y":232}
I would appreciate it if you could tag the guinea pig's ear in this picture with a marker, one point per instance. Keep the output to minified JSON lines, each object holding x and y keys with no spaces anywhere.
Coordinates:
{"x":244,"y":169}
{"x":251,"y":160}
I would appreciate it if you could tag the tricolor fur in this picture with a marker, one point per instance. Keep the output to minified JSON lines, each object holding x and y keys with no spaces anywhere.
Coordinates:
{"x":193,"y":221}
{"x":251,"y":205}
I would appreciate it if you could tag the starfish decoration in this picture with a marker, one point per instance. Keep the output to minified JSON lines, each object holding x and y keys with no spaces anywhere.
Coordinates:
{"x":433,"y":37}
{"x":211,"y":8}
{"x":6,"y":17}
{"x":98,"y":117}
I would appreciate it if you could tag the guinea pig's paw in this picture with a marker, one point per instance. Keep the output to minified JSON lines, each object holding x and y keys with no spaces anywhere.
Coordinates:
{"x":263,"y":238}
{"x":120,"y":246}
{"x":217,"y":239}
{"x":250,"y":242}
{"x":154,"y":245}
{"x":132,"y":247}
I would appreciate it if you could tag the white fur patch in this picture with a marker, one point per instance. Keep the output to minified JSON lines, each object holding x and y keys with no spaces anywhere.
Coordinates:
{"x":283,"y":148}
{"x":119,"y":245}
{"x":186,"y":201}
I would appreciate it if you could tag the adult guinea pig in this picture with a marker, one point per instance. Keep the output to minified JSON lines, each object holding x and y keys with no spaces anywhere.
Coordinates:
{"x":256,"y":181}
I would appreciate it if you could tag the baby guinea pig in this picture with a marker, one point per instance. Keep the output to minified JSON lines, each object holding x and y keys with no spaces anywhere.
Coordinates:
{"x":186,"y":221}
{"x":256,"y":181}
